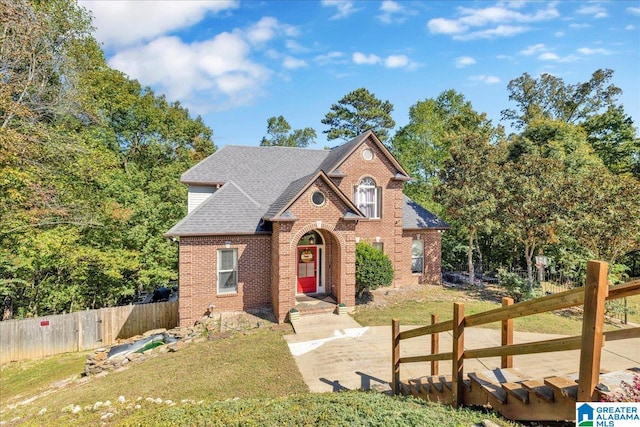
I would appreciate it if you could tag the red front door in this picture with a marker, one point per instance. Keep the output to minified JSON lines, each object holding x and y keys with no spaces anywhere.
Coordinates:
{"x":307,"y":267}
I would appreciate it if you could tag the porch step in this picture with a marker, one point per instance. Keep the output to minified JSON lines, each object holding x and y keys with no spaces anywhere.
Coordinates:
{"x":491,"y":381}
{"x":565,"y":386}
{"x":539,"y":389}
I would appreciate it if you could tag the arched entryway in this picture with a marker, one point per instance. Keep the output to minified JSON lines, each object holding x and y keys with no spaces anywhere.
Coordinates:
{"x":311,"y":265}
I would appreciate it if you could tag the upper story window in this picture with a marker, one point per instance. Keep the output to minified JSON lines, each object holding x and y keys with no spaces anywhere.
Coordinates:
{"x":368,"y":197}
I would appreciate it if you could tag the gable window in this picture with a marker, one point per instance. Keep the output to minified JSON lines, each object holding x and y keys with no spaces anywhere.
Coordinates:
{"x":369,"y":198}
{"x":227,"y":271}
{"x":417,"y":256}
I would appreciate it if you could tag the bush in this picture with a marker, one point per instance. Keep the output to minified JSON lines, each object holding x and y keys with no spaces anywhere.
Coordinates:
{"x":517,"y":287}
{"x":629,"y":393}
{"x":373,"y":268}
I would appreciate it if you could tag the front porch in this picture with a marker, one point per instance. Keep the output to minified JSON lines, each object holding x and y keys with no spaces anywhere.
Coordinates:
{"x":315,"y":304}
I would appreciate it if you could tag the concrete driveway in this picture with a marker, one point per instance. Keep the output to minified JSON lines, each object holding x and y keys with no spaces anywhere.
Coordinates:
{"x":336,"y":353}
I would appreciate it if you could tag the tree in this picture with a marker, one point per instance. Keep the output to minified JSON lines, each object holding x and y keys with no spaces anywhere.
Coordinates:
{"x":550,"y":98}
{"x":357,"y":112}
{"x":613,"y":137}
{"x":606,"y":220}
{"x":590,"y":105}
{"x":468,"y":180}
{"x":279,"y":131}
{"x":422,"y":146}
{"x":90,"y":164}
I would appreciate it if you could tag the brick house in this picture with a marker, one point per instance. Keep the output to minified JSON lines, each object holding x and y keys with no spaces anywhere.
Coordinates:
{"x":265,"y":224}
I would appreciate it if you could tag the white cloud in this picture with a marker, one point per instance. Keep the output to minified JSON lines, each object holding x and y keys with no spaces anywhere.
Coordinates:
{"x":291,"y":63}
{"x":294,"y":46}
{"x":344,"y":7}
{"x":464,"y":61}
{"x":391,"y":61}
{"x":396,"y":61}
{"x":559,"y":34}
{"x":446,"y":26}
{"x":334,"y":57}
{"x":485,"y":79}
{"x":633,"y":10}
{"x":594,"y":9}
{"x":598,"y":51}
{"x":579,"y":26}
{"x":629,"y":27}
{"x":533,"y":49}
{"x":393,"y":12}
{"x":212,"y":75}
{"x":548,"y":56}
{"x":499,"y":21}
{"x":361,"y":58}
{"x":499,"y":31}
{"x":123,"y":23}
{"x":268,"y":28}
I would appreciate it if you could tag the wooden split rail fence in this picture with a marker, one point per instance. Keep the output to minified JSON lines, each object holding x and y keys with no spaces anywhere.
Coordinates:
{"x":82,"y":330}
{"x":592,"y":297}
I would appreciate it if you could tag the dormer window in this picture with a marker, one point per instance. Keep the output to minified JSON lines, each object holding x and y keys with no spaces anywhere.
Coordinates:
{"x":368,"y":198}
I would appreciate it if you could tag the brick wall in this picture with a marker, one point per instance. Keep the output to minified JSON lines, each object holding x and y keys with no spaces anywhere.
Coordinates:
{"x":431,"y":262}
{"x":387,"y":229}
{"x":198,"y":275}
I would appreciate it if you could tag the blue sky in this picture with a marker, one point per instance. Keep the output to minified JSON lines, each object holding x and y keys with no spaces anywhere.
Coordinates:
{"x":237,"y":63}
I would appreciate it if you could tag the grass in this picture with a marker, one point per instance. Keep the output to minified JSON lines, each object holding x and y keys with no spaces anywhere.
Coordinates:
{"x":252,"y":365}
{"x":327,"y":409}
{"x":246,"y":379}
{"x":438,"y":300}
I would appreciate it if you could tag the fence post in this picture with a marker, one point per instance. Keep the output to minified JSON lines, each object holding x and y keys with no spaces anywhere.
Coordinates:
{"x":395,"y":356}
{"x":435,"y":345}
{"x":457,"y":386}
{"x":596,"y":291}
{"x":507,"y":335}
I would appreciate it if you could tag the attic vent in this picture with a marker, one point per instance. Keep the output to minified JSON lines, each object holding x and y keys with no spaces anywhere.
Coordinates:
{"x":367,"y":154}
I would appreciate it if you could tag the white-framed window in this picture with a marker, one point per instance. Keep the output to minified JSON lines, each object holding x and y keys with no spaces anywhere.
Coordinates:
{"x":417,"y":256}
{"x":378,"y":245}
{"x":368,"y":198}
{"x":227,"y":271}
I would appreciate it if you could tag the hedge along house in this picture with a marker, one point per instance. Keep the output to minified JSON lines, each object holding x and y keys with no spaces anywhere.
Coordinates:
{"x":265,"y":224}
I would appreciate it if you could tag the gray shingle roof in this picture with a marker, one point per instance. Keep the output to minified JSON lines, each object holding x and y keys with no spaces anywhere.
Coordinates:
{"x":227,"y":211}
{"x":415,"y":216}
{"x":258,"y":182}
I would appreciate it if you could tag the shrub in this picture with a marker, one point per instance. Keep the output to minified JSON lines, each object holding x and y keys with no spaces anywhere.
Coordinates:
{"x":517,"y":287}
{"x":373,"y":268}
{"x":629,"y":393}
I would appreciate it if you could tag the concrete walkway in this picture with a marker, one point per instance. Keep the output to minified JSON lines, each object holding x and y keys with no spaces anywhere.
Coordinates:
{"x":336,"y":353}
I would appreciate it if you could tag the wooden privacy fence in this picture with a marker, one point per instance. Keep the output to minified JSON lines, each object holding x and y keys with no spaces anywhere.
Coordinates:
{"x":82,"y":330}
{"x":592,"y":296}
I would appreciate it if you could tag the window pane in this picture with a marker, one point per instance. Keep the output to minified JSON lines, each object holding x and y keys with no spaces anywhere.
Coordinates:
{"x":417,"y":248}
{"x":416,"y":265}
{"x":417,"y":255}
{"x":227,"y":259}
{"x":227,"y":281}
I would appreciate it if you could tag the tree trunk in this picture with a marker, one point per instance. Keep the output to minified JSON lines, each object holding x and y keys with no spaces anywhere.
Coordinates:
{"x":470,"y":258}
{"x":529,"y":259}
